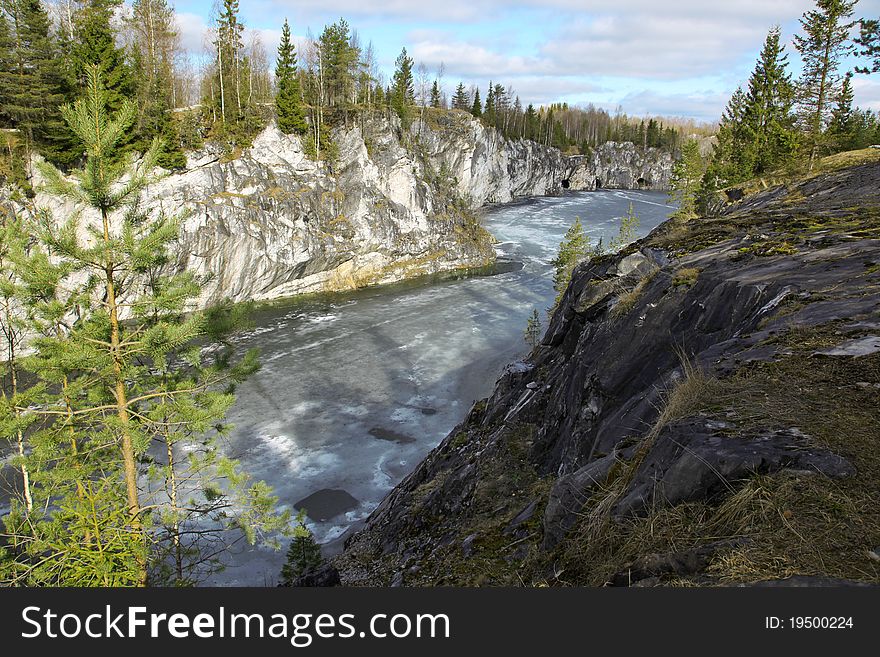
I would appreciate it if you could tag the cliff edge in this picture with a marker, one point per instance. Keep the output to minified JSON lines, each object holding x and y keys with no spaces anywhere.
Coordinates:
{"x":702,"y":410}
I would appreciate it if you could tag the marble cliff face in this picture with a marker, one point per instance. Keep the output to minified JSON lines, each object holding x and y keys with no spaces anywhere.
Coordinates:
{"x":394,"y":204}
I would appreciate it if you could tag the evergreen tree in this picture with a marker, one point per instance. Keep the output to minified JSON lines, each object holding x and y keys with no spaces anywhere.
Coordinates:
{"x":627,"y":232}
{"x":477,"y":107}
{"x":124,"y":374}
{"x":32,"y":83}
{"x":841,"y":128}
{"x":303,"y":555}
{"x":823,"y":45}
{"x":533,"y":329}
{"x":489,"y":109}
{"x":402,"y":85}
{"x":435,"y":95}
{"x":460,"y":100}
{"x":226,"y":84}
{"x":687,"y":174}
{"x":574,"y":248}
{"x":532,"y":123}
{"x":869,"y":40}
{"x":769,"y":135}
{"x":288,"y":102}
{"x":339,"y":61}
{"x":96,"y":45}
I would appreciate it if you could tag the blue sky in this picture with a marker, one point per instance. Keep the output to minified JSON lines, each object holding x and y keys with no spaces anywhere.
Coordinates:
{"x":680,"y":58}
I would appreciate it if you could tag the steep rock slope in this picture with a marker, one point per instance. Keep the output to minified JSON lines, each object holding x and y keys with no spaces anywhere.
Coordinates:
{"x":702,"y":410}
{"x":621,"y":165}
{"x":396,"y":203}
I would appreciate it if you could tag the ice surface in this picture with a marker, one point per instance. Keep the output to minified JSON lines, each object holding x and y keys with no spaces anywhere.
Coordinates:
{"x":386,"y":358}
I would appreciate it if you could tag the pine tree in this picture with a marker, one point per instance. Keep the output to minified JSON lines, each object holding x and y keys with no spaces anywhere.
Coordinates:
{"x":435,"y":95}
{"x":574,"y":248}
{"x":402,"y":85}
{"x":477,"y":107}
{"x":687,"y":173}
{"x":126,"y":373}
{"x":627,"y":231}
{"x":303,"y":555}
{"x":533,"y":329}
{"x":288,"y":101}
{"x":869,"y":40}
{"x":339,"y":61}
{"x":823,"y":45}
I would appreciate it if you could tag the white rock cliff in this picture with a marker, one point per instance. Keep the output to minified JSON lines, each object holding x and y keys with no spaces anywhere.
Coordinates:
{"x":273,"y":223}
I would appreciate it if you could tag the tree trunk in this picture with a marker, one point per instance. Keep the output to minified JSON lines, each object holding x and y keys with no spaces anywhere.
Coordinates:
{"x":128,"y":455}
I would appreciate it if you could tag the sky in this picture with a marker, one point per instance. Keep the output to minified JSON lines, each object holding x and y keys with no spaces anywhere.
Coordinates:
{"x":674,"y":58}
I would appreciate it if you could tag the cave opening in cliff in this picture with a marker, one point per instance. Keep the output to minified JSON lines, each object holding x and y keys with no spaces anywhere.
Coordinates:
{"x":640,"y":182}
{"x":566,"y":183}
{"x":598,"y":183}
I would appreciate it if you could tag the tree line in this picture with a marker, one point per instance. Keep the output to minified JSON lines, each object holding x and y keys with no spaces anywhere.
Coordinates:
{"x":775,"y":122}
{"x":46,"y":50}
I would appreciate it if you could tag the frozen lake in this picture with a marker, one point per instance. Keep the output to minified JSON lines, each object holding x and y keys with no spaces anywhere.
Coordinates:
{"x":356,"y":389}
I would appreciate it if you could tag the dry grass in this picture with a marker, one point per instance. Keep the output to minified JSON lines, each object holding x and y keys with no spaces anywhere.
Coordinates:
{"x":627,"y":301}
{"x":602,"y":545}
{"x":686,"y":277}
{"x":794,"y":523}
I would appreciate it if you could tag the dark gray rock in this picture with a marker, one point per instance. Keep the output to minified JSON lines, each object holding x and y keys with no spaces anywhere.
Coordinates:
{"x":568,"y":496}
{"x":467,"y":546}
{"x":694,"y":460}
{"x":522,"y":517}
{"x":324,"y":575}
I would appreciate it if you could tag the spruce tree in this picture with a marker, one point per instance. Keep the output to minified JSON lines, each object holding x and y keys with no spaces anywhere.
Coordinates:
{"x":303,"y":554}
{"x":402,"y":85}
{"x":435,"y":95}
{"x":477,"y":107}
{"x":32,"y":80}
{"x":460,"y":100}
{"x":823,"y":45}
{"x":841,"y":128}
{"x":288,"y":102}
{"x":489,"y":108}
{"x":533,"y":329}
{"x":96,"y":46}
{"x":769,"y":135}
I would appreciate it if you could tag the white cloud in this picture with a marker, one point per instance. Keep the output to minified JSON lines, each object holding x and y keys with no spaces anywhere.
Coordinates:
{"x":191,"y":28}
{"x":867,"y":92}
{"x":465,"y":59}
{"x":702,"y":106}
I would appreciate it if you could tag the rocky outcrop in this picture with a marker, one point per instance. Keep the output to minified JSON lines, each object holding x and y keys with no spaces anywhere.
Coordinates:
{"x":622,"y":165}
{"x":396,"y":203}
{"x":715,"y":380}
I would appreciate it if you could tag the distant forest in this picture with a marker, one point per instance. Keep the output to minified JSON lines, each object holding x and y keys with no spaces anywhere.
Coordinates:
{"x":46,"y":49}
